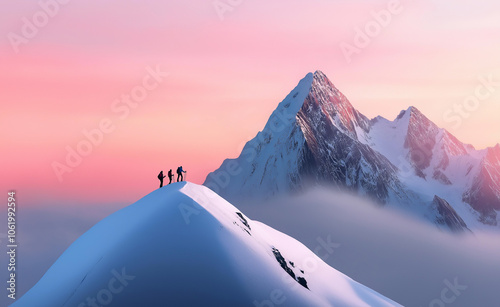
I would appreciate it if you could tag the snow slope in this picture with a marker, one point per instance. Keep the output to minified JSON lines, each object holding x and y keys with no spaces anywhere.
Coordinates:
{"x":183,"y":245}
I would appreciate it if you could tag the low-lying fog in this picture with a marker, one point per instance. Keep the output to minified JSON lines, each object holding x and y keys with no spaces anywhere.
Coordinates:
{"x":411,"y":262}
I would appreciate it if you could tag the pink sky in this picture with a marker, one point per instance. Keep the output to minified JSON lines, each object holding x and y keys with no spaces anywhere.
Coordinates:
{"x":225,"y":78}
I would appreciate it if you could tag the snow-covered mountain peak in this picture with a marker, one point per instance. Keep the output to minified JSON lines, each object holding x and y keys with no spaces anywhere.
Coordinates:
{"x":285,"y":113}
{"x":321,"y":80}
{"x":316,"y":136}
{"x":183,"y":245}
{"x":316,"y":98}
{"x":418,"y":120}
{"x":413,"y":110}
{"x":327,"y":104}
{"x":319,"y":73}
{"x":319,"y":142}
{"x":494,"y":153}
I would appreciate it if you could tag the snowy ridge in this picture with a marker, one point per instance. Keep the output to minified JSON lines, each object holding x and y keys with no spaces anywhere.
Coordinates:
{"x":404,"y":163}
{"x":183,"y":245}
{"x":434,"y":163}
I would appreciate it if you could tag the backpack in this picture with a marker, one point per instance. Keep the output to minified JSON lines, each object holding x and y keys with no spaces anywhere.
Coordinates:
{"x":178,"y":170}
{"x":160,"y":175}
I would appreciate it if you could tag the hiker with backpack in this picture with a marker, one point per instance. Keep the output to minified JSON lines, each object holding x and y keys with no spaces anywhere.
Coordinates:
{"x":161,"y":176}
{"x":179,"y":173}
{"x":170,"y":176}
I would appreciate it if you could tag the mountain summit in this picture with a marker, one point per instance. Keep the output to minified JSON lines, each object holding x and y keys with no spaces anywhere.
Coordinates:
{"x":315,"y":136}
{"x":183,"y":245}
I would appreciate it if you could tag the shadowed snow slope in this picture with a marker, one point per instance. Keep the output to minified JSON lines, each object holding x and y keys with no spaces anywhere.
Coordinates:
{"x":183,"y":245}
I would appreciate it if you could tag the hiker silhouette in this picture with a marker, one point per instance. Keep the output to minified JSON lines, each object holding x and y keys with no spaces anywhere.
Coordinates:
{"x":161,"y":176}
{"x":170,"y":176}
{"x":179,"y":174}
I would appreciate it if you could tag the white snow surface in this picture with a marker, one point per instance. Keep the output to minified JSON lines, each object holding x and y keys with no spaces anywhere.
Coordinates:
{"x":183,"y":245}
{"x":388,"y":138}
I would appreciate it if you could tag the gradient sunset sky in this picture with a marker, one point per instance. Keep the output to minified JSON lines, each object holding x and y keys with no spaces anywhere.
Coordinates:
{"x":226,"y":74}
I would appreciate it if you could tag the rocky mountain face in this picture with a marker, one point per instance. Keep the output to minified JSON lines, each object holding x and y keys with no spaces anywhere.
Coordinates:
{"x":447,"y":215}
{"x":315,"y":136}
{"x":330,"y":126}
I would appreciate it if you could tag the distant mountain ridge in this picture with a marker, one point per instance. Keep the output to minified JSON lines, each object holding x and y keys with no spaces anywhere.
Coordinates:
{"x":315,"y":135}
